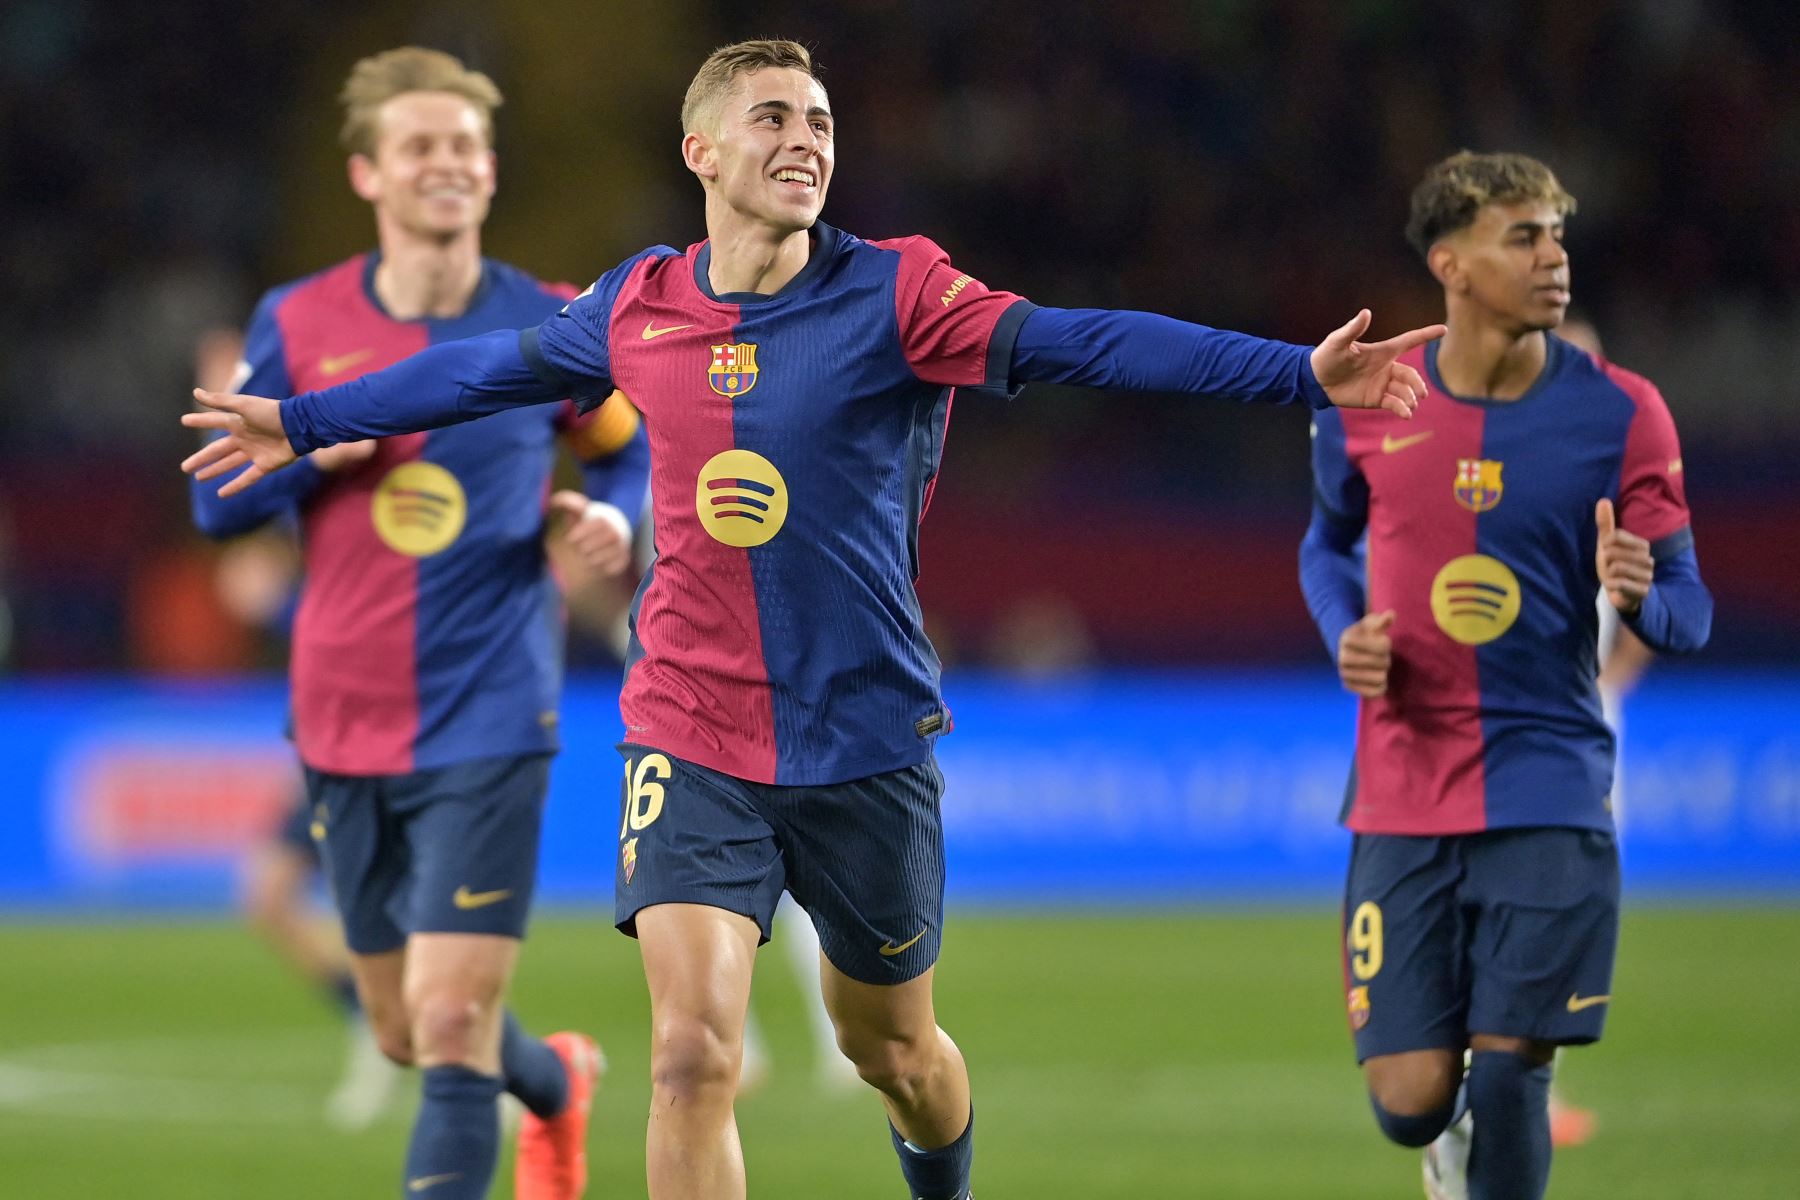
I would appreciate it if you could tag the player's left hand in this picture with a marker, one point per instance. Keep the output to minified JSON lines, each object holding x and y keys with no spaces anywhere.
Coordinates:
{"x":596,"y":531}
{"x":1622,"y":561}
{"x":254,"y":439}
{"x":1365,"y":374}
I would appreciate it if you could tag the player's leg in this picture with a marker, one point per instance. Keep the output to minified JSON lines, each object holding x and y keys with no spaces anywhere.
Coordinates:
{"x":277,"y":883}
{"x":699,"y":874}
{"x":799,"y":940}
{"x":1542,"y":955}
{"x":1404,"y":985}
{"x":698,"y":962}
{"x":890,"y":1032}
{"x":866,"y":860}
{"x":1509,"y":1106}
{"x":364,"y":860}
{"x":274,"y":895}
{"x":380,"y":981}
{"x":471,"y":834}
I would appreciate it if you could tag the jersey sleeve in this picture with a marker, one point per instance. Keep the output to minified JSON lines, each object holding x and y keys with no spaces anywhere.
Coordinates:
{"x":573,"y":348}
{"x":1331,"y":571}
{"x":600,"y":431}
{"x":954,"y":329}
{"x":1652,"y":485}
{"x":1339,"y":490}
{"x":262,"y":372}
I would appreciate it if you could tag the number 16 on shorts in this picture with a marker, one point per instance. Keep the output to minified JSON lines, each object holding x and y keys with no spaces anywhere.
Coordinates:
{"x":642,"y":804}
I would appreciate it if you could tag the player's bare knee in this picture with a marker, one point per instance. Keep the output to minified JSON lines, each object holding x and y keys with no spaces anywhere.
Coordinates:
{"x":692,"y":1060}
{"x":894,"y":1066}
{"x":394,"y":1042}
{"x":1414,"y":1084}
{"x":445,"y":1025}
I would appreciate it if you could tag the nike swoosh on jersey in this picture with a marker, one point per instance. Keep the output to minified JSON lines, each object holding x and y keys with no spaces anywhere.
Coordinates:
{"x":343,"y":362}
{"x":464,"y":898}
{"x":1578,"y":1002}
{"x":889,"y":950}
{"x":651,"y":331}
{"x":1393,"y":445}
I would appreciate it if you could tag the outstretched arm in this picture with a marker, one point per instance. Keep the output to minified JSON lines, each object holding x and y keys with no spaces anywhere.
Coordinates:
{"x":1144,"y":351}
{"x":442,"y":385}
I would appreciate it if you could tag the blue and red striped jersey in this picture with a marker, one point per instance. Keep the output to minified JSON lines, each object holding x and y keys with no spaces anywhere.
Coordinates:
{"x":795,"y":439}
{"x":1479,"y":518}
{"x":429,"y":630}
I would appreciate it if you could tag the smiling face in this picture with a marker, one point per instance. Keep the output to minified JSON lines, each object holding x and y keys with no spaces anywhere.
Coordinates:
{"x":1509,"y":265}
{"x":767,"y":153}
{"x":431,"y":173}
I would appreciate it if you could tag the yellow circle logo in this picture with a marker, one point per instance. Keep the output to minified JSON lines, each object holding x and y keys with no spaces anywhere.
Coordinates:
{"x":1475,"y":598}
{"x":741,"y":498}
{"x":419,"y":509}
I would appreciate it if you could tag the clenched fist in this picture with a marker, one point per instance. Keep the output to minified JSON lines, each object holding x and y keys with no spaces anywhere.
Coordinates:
{"x":1364,"y":654}
{"x":1622,"y":561}
{"x":596,"y":531}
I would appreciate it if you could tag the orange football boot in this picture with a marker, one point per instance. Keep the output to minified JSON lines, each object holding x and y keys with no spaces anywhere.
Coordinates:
{"x":551,"y":1163}
{"x":1570,"y":1125}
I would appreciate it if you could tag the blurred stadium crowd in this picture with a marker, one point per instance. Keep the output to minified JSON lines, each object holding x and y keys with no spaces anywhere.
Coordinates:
{"x":1238,"y":162}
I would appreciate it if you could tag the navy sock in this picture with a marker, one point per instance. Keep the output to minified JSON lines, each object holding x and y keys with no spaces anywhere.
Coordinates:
{"x":343,"y":990}
{"x":941,"y":1174}
{"x":456,"y":1138}
{"x":532,"y":1070}
{"x":1414,"y":1131}
{"x":1510,"y":1156}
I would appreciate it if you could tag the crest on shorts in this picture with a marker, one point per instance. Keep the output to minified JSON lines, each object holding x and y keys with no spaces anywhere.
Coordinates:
{"x":733,"y":369}
{"x":1359,"y":1007}
{"x":1478,"y":486}
{"x":628,"y":859}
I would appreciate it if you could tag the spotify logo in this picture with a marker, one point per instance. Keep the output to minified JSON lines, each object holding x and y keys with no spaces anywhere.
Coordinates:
{"x":1475,"y":598}
{"x":741,"y":498}
{"x":419,"y":508}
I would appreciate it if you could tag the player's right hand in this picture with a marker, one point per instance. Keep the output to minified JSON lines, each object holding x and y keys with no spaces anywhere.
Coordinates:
{"x":253,"y":438}
{"x":343,"y":455}
{"x":1365,"y":652}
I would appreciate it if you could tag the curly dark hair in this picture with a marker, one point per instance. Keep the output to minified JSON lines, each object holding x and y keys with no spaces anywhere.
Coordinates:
{"x":1454,"y":190}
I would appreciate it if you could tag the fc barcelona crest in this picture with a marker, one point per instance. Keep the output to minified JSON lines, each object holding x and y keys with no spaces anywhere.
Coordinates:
{"x":1359,"y":1007}
{"x":1478,"y":486}
{"x":628,"y":859}
{"x":733,"y":369}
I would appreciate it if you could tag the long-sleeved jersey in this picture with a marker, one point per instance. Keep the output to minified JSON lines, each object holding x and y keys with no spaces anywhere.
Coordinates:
{"x":795,"y":439}
{"x":1480,"y":537}
{"x":428,"y":631}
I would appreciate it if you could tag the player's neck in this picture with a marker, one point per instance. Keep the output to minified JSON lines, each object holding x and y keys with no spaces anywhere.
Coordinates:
{"x":1476,"y":359}
{"x":425,"y":277}
{"x":749,"y":256}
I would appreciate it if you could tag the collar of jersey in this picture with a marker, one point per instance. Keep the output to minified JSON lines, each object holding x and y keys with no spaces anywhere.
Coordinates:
{"x":825,"y":241}
{"x":1554,"y":349}
{"x":368,"y":286}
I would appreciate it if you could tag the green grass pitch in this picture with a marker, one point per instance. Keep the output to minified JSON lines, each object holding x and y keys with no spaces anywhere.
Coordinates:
{"x":1136,"y":1055}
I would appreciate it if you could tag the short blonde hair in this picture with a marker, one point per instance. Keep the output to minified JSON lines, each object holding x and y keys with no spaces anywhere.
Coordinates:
{"x":380,"y":77}
{"x":1455,"y":190}
{"x":722,"y":66}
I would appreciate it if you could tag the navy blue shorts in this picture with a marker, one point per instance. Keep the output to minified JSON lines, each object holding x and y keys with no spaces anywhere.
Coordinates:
{"x":295,"y":832}
{"x":449,"y":850}
{"x":865,"y":859}
{"x":1509,"y":932}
